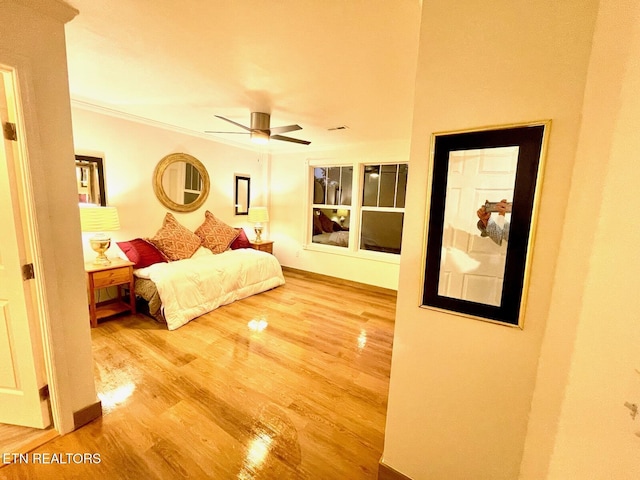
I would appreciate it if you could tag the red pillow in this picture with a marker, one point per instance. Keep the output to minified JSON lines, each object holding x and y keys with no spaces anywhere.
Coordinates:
{"x":325,"y":222}
{"x":241,"y":240}
{"x":317,"y":226}
{"x":141,"y":252}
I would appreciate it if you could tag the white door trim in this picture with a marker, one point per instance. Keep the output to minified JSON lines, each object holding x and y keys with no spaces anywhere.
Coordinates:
{"x":32,"y":239}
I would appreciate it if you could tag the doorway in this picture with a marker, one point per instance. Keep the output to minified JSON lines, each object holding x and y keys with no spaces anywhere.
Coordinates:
{"x":25,"y":411}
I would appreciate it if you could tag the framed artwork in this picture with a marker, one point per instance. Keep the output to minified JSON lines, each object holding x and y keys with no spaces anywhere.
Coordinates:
{"x":481,"y":225}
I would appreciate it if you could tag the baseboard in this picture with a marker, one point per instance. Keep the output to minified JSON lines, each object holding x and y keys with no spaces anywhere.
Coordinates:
{"x":338,"y":280}
{"x":385,"y":472}
{"x":87,"y":414}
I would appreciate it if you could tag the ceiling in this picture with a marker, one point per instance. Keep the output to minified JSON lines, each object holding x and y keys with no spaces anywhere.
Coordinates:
{"x":321,"y":64}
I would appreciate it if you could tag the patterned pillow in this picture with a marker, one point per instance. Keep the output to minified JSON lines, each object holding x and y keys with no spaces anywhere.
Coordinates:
{"x":215,"y":234}
{"x":141,"y":252}
{"x":174,"y":240}
{"x":242,"y":241}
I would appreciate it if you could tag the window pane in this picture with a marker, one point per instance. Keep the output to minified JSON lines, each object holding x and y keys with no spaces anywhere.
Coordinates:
{"x":403,"y":171}
{"x":327,"y":229}
{"x":187,"y":176}
{"x":190,"y":197}
{"x":381,"y":231}
{"x":333,"y":185}
{"x":319,"y":182}
{"x":370,"y":188}
{"x":347,"y":177}
{"x":387,"y":186}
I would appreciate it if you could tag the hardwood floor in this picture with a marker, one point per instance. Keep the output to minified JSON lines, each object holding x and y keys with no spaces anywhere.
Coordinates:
{"x":17,"y":439}
{"x":290,"y":383}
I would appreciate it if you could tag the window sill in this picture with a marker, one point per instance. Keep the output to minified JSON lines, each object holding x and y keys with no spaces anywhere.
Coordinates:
{"x":359,"y":254}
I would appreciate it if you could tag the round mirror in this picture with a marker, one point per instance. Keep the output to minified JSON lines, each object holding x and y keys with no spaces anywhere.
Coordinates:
{"x":181,"y":182}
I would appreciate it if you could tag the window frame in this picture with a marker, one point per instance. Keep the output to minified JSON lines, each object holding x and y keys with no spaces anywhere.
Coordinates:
{"x":355,"y":209}
{"x":311,"y":206}
{"x":376,"y":208}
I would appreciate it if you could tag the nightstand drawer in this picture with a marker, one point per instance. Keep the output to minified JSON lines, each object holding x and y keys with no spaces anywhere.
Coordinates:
{"x":114,"y":276}
{"x":264,"y":246}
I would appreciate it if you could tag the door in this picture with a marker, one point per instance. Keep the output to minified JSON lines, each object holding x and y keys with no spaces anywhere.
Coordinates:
{"x":173,"y":182}
{"x":473,"y":266}
{"x":22,"y":373}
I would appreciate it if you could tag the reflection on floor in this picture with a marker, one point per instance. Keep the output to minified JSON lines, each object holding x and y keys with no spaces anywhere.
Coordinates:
{"x":291,"y":383}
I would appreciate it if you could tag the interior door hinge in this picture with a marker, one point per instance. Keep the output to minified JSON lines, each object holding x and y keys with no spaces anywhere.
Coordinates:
{"x":10,"y":132}
{"x":44,"y":392}
{"x":28,"y":273}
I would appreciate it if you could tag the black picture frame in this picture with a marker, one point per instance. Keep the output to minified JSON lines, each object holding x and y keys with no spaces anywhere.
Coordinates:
{"x":242,"y":194}
{"x":90,"y":176}
{"x":531,"y":142}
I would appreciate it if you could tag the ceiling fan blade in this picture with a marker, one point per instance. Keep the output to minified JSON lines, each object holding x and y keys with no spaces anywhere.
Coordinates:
{"x":286,"y":128}
{"x":235,"y":123}
{"x":241,"y":133}
{"x":289,"y":139}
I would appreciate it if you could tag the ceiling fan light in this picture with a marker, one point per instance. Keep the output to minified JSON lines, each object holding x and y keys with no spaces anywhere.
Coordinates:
{"x":261,"y":138}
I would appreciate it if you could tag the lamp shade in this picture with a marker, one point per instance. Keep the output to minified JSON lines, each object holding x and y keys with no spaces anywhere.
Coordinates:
{"x":342,"y":212}
{"x":258,"y":214}
{"x":99,"y":219}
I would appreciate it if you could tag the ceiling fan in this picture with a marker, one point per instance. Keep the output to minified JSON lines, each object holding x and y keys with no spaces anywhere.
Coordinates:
{"x":261,"y":132}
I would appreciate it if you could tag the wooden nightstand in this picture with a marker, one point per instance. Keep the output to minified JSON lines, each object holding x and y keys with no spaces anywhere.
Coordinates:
{"x":117,"y":274}
{"x":263,"y":246}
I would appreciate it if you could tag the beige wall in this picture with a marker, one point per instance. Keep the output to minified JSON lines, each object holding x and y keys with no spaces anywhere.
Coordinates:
{"x":461,"y":389}
{"x":33,"y":41}
{"x":131,"y":151}
{"x":590,"y":361}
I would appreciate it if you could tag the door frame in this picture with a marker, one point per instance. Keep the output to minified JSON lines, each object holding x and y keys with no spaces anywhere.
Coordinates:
{"x":26,"y":209}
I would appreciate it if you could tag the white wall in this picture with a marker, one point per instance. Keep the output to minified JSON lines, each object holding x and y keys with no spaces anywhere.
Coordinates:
{"x":33,"y":41}
{"x":288,"y":212}
{"x":589,"y":363}
{"x":131,"y":151}
{"x":461,"y":389}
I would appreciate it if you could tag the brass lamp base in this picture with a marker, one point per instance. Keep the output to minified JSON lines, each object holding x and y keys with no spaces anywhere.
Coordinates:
{"x":258,"y":230}
{"x":100,"y":243}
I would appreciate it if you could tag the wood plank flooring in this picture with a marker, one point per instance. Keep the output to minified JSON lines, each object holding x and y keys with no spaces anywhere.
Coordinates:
{"x":16,"y":439}
{"x":290,"y":383}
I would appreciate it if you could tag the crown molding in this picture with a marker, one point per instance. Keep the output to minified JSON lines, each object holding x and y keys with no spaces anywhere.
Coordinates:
{"x":92,"y":107}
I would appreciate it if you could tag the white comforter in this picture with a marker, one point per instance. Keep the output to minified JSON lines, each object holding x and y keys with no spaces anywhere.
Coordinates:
{"x":190,"y":288}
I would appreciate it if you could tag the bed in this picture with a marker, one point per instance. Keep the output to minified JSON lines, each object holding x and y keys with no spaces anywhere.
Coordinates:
{"x":179,"y":291}
{"x":340,"y":239}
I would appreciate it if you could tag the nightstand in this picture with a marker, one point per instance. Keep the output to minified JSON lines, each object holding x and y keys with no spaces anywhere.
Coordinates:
{"x":263,"y":246}
{"x":116,"y":274}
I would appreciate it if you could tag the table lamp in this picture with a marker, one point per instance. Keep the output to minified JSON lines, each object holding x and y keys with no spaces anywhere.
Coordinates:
{"x":100,"y":220}
{"x":342,"y":213}
{"x":258,"y":216}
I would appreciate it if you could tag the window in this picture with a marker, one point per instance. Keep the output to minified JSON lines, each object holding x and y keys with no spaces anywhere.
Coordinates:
{"x":374,"y":221}
{"x":192,"y":184}
{"x":332,"y":188}
{"x":382,"y":212}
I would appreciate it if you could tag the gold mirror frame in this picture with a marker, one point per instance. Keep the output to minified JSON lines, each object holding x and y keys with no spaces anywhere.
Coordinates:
{"x":162,"y":195}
